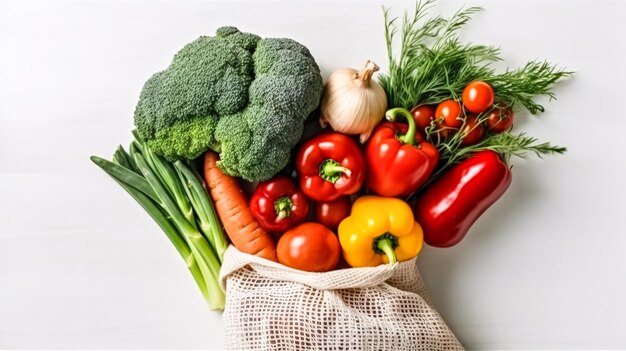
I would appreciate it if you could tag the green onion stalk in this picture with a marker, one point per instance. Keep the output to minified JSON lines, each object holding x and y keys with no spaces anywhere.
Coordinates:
{"x":175,"y":196}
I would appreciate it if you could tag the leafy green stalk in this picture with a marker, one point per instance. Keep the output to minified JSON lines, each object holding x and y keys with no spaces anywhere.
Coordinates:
{"x":160,"y":188}
{"x":166,"y":173}
{"x":126,"y":176}
{"x":125,"y":160}
{"x":207,"y":261}
{"x":204,"y":208}
{"x":191,"y":234}
{"x":119,"y":158}
{"x":160,"y":217}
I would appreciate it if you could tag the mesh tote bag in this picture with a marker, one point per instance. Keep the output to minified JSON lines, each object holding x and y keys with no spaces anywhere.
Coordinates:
{"x":273,"y":307}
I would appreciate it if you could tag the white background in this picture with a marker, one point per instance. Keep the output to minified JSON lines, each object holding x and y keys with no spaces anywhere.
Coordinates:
{"x":82,"y":266}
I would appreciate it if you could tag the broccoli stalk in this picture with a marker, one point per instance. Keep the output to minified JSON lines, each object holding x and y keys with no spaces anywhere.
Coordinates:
{"x":237,"y":94}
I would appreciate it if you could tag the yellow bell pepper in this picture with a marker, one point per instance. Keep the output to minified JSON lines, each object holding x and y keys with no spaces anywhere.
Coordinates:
{"x":379,"y":230}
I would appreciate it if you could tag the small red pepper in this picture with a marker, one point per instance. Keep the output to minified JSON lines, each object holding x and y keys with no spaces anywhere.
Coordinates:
{"x":451,"y":204}
{"x":330,"y":165}
{"x":399,"y":161}
{"x":278,"y":204}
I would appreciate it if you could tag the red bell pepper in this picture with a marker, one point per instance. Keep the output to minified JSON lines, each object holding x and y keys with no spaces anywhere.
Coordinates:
{"x":278,"y":204}
{"x":399,"y":161}
{"x":330,"y":165}
{"x":450,"y":205}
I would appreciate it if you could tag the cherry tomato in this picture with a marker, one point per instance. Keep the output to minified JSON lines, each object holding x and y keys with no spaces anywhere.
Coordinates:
{"x":478,"y":96}
{"x":448,"y":113}
{"x":331,"y":213}
{"x":474,"y":131}
{"x":500,"y":120}
{"x":423,"y":115}
{"x":309,"y":247}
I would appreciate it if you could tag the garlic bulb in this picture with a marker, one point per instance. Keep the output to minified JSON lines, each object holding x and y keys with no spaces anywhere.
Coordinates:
{"x":353,"y":103}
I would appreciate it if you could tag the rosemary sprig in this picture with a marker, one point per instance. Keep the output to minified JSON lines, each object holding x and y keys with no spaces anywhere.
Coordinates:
{"x":506,"y":144}
{"x":512,"y":144}
{"x":520,"y":86}
{"x":433,"y":64}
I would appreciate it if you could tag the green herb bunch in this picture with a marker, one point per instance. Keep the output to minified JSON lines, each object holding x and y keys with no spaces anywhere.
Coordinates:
{"x":434,"y":65}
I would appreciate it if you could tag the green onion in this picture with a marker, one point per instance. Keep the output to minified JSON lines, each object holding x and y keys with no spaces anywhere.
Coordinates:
{"x":176,"y":198}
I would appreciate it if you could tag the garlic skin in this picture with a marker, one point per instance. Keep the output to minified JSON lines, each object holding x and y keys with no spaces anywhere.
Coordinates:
{"x":353,"y":103}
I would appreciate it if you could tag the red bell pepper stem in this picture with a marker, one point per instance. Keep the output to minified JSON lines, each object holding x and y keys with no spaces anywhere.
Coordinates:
{"x":283,"y":207}
{"x":392,"y":116}
{"x":331,"y":170}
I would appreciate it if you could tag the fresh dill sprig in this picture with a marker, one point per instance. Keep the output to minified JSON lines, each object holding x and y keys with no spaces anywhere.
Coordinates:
{"x":434,"y":65}
{"x":521,"y":86}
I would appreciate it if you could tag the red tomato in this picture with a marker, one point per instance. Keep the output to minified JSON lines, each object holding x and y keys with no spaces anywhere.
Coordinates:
{"x":423,"y":115}
{"x":500,"y":120}
{"x":448,"y":112}
{"x":309,"y":247}
{"x":474,"y":131}
{"x":331,"y":213}
{"x":478,"y":96}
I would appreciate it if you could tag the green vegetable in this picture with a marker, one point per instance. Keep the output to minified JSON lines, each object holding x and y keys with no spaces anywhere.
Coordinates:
{"x":174,"y":195}
{"x":434,"y":65}
{"x":236,"y":93}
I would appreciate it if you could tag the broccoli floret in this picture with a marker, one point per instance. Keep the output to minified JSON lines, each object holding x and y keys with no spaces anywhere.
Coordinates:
{"x":235,"y":93}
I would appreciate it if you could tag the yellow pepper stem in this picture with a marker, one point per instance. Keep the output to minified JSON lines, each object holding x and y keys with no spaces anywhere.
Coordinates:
{"x":385,"y":244}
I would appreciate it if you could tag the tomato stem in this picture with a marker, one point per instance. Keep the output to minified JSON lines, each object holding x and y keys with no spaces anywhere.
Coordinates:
{"x":392,"y":116}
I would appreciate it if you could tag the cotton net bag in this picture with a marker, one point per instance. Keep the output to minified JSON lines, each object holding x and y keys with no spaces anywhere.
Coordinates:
{"x":273,"y":307}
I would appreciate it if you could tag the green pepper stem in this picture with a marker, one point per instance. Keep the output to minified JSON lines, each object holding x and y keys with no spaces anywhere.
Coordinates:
{"x":386,"y":246}
{"x":331,"y":170}
{"x":392,"y":116}
{"x":283,"y":207}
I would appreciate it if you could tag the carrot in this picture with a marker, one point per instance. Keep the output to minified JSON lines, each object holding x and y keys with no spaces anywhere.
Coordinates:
{"x":231,"y":205}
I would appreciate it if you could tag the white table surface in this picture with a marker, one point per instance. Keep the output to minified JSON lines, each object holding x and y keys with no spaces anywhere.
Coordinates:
{"x":83,"y":267}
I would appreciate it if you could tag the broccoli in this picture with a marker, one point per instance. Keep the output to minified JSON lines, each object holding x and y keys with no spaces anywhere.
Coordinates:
{"x":236,"y":93}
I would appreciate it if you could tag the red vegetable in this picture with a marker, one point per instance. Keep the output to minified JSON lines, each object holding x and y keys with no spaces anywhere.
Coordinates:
{"x":448,"y":114}
{"x":278,"y":204}
{"x":331,"y":213}
{"x":500,"y":120}
{"x":330,"y":165}
{"x":478,"y":96}
{"x":309,"y":247}
{"x":423,"y":115}
{"x":473,"y":131}
{"x":450,"y":206}
{"x":398,"y":160}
